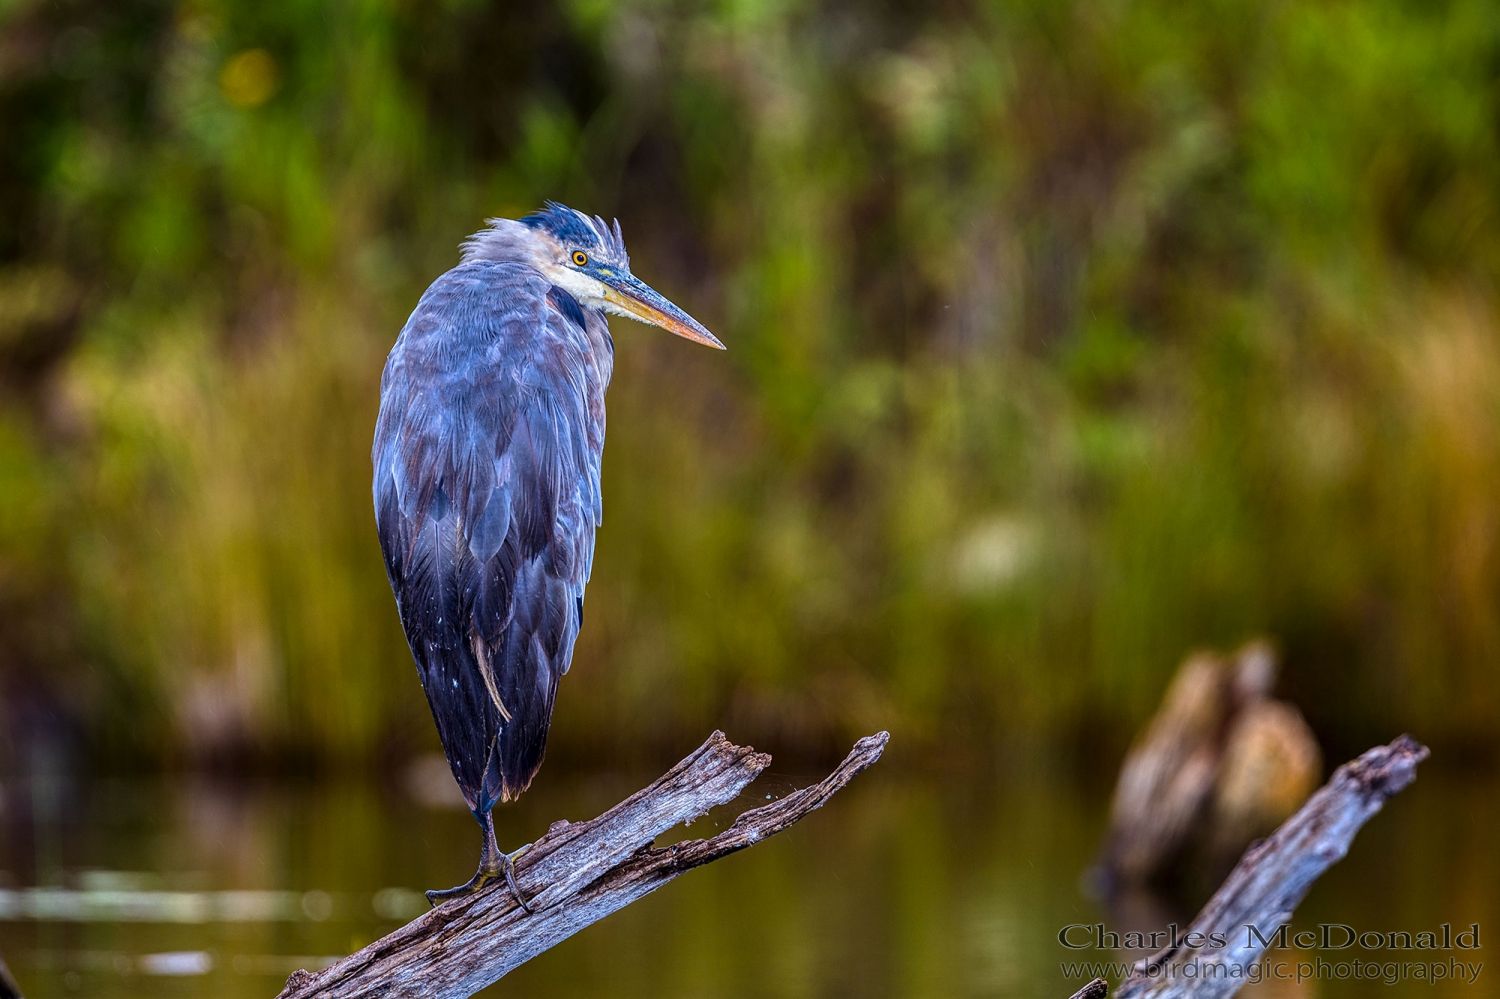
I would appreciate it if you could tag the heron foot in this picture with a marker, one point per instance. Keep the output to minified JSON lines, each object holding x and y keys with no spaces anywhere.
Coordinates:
{"x":482,"y":877}
{"x":510,"y":879}
{"x":489,"y":872}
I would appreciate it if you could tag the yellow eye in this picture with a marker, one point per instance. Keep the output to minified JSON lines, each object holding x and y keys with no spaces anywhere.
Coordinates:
{"x":580,"y":258}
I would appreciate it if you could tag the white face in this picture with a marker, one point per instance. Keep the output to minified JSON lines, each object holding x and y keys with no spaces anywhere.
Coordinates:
{"x":555,"y":262}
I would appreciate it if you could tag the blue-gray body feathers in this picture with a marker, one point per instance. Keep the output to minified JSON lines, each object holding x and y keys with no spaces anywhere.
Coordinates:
{"x":487,"y":497}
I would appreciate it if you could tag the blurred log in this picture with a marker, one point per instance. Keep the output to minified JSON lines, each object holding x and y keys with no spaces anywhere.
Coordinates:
{"x":1272,"y":878}
{"x":575,"y":875}
{"x":1219,"y":765}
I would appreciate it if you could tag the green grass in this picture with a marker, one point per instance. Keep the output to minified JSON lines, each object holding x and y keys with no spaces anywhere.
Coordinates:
{"x":1064,"y":338}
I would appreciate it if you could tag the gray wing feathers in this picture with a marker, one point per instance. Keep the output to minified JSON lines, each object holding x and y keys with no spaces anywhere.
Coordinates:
{"x":486,"y":490}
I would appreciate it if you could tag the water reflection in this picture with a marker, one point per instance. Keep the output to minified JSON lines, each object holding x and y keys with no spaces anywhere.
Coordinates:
{"x":907,"y":885}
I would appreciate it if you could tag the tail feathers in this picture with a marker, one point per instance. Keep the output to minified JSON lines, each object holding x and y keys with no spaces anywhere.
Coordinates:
{"x":533,"y":656}
{"x":467,"y":721}
{"x":489,"y":666}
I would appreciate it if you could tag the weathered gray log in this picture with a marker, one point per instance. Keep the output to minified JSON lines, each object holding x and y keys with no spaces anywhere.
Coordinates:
{"x":575,"y":875}
{"x":1272,"y":878}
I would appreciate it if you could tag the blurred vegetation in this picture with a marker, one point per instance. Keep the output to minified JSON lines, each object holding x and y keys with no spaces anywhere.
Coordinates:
{"x":1064,"y":337}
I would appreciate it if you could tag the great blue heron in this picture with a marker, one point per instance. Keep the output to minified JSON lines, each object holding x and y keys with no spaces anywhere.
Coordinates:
{"x":487,"y":492}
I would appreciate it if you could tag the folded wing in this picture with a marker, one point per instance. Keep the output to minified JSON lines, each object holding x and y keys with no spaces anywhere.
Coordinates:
{"x":487,"y":497}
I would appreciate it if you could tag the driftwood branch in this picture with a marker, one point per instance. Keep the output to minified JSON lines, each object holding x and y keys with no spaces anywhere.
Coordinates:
{"x":575,"y":875}
{"x":1270,"y":880}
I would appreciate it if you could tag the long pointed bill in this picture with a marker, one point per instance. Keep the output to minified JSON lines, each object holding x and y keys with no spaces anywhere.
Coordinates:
{"x":634,"y":298}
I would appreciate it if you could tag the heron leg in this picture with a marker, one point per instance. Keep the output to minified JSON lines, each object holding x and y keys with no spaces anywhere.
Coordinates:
{"x":492,"y":866}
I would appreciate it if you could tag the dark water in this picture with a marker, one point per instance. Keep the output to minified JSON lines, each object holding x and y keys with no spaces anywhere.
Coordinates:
{"x":906,"y":885}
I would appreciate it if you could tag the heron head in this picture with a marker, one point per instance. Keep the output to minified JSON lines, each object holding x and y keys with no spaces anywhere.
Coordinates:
{"x":585,"y":257}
